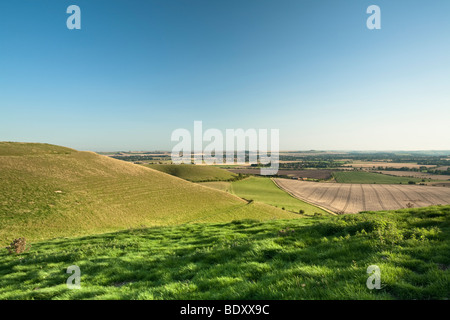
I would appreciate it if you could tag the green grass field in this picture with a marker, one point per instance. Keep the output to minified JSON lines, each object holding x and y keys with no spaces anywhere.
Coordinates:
{"x":195,"y":173}
{"x":370,"y":177}
{"x":49,"y":191}
{"x":264,"y":190}
{"x":310,"y":258}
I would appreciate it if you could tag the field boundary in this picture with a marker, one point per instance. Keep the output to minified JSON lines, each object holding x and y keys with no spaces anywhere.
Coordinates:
{"x":308,"y":202}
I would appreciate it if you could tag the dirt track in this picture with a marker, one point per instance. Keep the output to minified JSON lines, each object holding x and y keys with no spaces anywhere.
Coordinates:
{"x":353,"y":198}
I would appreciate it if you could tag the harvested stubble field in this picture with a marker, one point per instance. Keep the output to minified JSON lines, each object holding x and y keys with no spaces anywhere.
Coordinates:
{"x":353,"y":198}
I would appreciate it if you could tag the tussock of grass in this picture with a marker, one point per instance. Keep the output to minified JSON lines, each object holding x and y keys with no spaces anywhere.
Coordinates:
{"x":324,"y":258}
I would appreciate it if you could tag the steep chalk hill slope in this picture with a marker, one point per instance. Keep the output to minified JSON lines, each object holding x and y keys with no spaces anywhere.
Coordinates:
{"x":50,"y":191}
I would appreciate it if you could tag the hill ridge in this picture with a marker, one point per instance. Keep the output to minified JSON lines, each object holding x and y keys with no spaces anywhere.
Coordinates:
{"x":46,"y":195}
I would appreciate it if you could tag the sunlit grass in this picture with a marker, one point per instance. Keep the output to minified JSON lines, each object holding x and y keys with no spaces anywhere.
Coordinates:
{"x":265,"y":190}
{"x":323,"y":258}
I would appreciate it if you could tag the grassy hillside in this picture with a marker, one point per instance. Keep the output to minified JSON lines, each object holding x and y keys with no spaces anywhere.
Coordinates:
{"x":28,"y":149}
{"x":370,"y":177}
{"x":310,"y":258}
{"x":265,"y":190}
{"x":219,"y":185}
{"x":49,"y":191}
{"x":195,"y":173}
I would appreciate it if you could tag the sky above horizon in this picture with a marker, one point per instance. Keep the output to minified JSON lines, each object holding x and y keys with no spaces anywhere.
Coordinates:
{"x":136,"y":71}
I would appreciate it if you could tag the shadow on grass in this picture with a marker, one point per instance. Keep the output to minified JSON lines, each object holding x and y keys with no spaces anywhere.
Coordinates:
{"x":320,"y":259}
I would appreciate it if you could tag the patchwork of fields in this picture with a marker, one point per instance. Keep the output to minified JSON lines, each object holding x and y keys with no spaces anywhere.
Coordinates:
{"x":353,"y":198}
{"x":419,"y":175}
{"x":322,"y":174}
{"x":376,"y":164}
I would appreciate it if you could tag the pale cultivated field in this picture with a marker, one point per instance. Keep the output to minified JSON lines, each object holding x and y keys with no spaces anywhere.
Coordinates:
{"x":353,"y":198}
{"x":420,"y":175}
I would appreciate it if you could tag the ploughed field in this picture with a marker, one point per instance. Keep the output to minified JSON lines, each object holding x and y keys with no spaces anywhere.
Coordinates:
{"x":353,"y":198}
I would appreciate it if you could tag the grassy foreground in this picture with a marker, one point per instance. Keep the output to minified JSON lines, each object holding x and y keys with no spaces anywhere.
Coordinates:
{"x":310,"y":258}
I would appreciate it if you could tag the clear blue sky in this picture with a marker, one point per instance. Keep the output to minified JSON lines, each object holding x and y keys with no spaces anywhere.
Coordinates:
{"x":137,"y":70}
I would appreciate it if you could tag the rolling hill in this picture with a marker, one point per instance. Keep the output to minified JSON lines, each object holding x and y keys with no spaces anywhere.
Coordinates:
{"x":49,"y":191}
{"x":195,"y":173}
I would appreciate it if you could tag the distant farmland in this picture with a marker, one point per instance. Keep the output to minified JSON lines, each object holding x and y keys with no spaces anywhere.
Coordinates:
{"x":420,"y":175}
{"x":310,"y":174}
{"x":353,"y":198}
{"x":385,"y":164}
